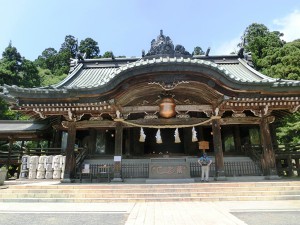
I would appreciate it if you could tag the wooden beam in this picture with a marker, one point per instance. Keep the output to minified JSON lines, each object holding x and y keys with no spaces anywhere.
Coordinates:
{"x":155,"y":108}
{"x":240,"y":120}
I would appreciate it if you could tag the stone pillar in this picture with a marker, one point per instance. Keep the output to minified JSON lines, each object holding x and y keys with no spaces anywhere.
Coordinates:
{"x":118,"y":152}
{"x":219,"y":159}
{"x":70,"y":156}
{"x":268,"y":160}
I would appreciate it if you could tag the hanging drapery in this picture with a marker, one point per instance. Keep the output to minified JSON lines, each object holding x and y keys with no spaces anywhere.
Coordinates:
{"x":194,"y":135}
{"x":176,"y":135}
{"x":142,"y":135}
{"x":158,"y":137}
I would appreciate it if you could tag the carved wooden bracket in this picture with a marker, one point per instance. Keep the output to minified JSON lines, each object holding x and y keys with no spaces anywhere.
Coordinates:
{"x":40,"y":114}
{"x":263,"y":111}
{"x":238,"y":114}
{"x":295,"y":109}
{"x":72,"y":116}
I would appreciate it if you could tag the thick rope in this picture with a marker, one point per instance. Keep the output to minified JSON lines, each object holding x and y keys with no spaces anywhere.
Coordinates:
{"x":165,"y":126}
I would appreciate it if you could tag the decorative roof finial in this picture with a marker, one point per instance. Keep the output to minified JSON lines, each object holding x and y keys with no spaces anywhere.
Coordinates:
{"x":163,"y":45}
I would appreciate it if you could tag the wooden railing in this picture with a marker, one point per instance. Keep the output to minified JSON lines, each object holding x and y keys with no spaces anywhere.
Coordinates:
{"x":288,"y":159}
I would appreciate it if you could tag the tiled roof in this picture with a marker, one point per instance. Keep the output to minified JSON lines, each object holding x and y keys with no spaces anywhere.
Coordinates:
{"x":7,"y":126}
{"x":91,"y":77}
{"x":95,"y":74}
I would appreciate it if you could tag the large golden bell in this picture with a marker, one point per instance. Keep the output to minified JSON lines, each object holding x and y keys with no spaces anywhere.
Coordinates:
{"x":167,"y":108}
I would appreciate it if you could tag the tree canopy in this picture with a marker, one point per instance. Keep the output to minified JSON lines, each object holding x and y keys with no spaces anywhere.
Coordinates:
{"x":270,"y":54}
{"x":16,"y":70}
{"x":90,"y":48}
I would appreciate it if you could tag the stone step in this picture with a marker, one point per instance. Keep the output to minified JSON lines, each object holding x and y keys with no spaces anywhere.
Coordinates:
{"x":146,"y":194}
{"x":168,"y":199}
{"x":223,"y":191}
{"x":156,"y":186}
{"x":96,"y":190}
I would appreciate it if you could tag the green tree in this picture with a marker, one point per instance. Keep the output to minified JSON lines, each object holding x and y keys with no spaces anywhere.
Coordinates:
{"x":198,"y":51}
{"x":289,"y":130}
{"x":258,"y":40}
{"x":70,"y":45}
{"x":5,"y":112}
{"x":10,"y":66}
{"x":90,"y":48}
{"x":29,"y":74}
{"x":283,"y":62}
{"x":108,"y":54}
{"x":16,"y":70}
{"x":47,"y":60}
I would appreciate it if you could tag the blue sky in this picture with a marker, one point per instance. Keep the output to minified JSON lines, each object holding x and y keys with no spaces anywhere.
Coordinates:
{"x":126,"y":27}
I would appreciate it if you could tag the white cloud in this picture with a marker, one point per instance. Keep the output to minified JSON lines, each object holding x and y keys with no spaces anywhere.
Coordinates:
{"x":228,"y":47}
{"x":289,"y":26}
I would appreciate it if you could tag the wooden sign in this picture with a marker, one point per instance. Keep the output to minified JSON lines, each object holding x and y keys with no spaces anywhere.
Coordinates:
{"x":203,"y":145}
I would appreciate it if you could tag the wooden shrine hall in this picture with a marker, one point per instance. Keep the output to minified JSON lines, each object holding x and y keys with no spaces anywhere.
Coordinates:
{"x":160,"y":106}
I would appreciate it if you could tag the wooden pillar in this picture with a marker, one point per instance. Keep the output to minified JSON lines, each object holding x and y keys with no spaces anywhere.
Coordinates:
{"x":273,"y":135}
{"x":268,"y":161}
{"x":93,"y":139}
{"x":219,"y":159}
{"x":10,"y":149}
{"x":70,"y":156}
{"x":57,"y":135}
{"x":200,"y":134}
{"x":187,"y":141}
{"x":127,"y":142}
{"x":118,"y":152}
{"x":237,"y":138}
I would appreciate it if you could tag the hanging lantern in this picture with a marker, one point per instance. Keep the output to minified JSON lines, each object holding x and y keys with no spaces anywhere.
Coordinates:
{"x":176,"y":135}
{"x":142,"y":135}
{"x":167,"y":107}
{"x":158,"y":137}
{"x":194,"y":135}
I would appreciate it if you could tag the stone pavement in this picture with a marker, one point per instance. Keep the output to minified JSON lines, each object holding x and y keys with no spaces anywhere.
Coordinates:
{"x":151,"y":213}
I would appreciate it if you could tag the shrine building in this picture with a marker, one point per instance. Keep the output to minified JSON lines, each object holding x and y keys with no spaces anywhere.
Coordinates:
{"x":160,"y":110}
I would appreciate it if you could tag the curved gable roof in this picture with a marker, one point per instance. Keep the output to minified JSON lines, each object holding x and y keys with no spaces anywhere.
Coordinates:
{"x":102,"y":75}
{"x":238,"y":71}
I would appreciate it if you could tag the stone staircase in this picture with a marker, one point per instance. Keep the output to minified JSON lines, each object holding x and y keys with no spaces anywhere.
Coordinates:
{"x":214,"y":191}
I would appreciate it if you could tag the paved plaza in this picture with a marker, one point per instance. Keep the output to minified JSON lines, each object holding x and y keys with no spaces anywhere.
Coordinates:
{"x":150,"y":213}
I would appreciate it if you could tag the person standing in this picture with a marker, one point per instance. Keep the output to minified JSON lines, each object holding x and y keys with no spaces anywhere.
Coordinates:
{"x":204,"y":162}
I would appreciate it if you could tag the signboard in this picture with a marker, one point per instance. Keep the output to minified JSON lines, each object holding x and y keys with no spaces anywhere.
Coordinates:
{"x":203,"y":145}
{"x":117,"y":158}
